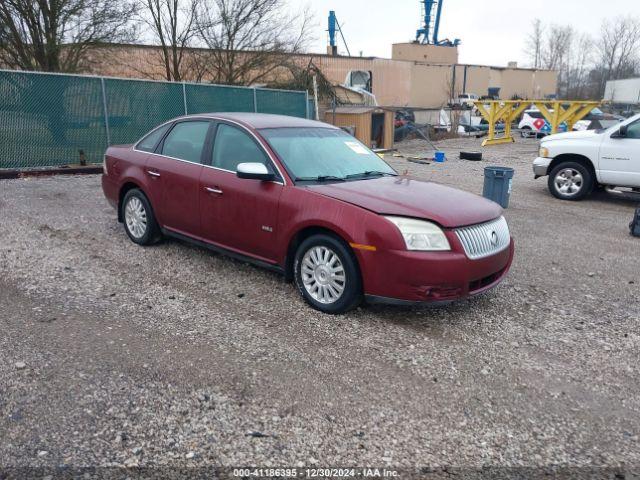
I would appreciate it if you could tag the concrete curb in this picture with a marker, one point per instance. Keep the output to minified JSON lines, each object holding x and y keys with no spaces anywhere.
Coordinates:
{"x":6,"y":174}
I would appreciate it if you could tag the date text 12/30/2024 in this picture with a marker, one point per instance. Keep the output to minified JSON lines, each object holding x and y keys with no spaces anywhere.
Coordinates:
{"x":315,"y":472}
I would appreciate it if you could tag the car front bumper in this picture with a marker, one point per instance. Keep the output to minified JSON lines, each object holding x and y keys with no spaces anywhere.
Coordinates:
{"x":410,"y":277}
{"x":541,"y":166}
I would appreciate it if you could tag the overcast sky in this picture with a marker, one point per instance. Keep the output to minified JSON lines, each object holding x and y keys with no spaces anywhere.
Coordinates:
{"x":492,"y":31}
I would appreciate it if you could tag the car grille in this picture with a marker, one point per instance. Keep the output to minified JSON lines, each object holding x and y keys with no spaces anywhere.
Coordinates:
{"x":484,"y":239}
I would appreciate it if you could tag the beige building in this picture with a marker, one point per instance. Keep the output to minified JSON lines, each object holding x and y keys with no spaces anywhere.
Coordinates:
{"x":416,"y":52}
{"x":418,"y":76}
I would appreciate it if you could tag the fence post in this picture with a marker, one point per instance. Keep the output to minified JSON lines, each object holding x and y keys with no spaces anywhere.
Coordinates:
{"x":184,"y":97}
{"x":106,"y":112}
{"x":255,"y":100}
{"x":306,"y":103}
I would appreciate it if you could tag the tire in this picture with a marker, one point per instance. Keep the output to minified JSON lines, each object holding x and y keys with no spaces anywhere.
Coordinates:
{"x":525,"y":132}
{"x":570,"y":181}
{"x":138,"y":218}
{"x":313,"y":277}
{"x":474,"y":156}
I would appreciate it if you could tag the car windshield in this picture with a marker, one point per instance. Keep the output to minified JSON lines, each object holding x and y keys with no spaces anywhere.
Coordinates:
{"x":324,"y":155}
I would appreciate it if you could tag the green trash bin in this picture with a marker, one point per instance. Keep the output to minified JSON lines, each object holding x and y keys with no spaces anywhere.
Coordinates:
{"x":497,"y":184}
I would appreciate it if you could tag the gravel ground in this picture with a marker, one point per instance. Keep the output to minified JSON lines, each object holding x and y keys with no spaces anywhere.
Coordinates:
{"x":116,"y":355}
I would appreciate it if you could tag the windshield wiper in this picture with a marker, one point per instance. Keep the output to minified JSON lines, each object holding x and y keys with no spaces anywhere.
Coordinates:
{"x":319,"y":178}
{"x":370,"y":173}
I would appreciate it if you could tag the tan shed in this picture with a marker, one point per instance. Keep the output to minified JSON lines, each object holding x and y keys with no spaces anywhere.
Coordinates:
{"x":373,"y":126}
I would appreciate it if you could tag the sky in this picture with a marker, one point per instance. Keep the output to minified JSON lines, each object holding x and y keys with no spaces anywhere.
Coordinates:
{"x":493,"y":32}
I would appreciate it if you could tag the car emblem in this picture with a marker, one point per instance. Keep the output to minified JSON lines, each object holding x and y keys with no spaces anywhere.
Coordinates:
{"x":493,"y":238}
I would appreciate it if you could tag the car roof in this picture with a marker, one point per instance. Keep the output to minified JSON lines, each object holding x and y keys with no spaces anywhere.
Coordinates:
{"x":264,"y":120}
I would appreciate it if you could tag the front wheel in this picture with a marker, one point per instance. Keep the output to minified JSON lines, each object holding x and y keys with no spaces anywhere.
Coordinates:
{"x":327,"y":275}
{"x":570,"y":181}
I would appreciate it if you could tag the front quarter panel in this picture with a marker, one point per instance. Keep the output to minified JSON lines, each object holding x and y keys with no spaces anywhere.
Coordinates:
{"x":301,"y":208}
{"x":573,"y":143}
{"x":585,"y":147}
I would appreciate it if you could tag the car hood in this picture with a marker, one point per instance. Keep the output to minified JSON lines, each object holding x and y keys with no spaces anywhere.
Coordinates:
{"x":575,"y":135}
{"x":408,"y":197}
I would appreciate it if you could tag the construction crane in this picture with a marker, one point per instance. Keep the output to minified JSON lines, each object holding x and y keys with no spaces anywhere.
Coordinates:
{"x":334,"y":27}
{"x":428,"y":34}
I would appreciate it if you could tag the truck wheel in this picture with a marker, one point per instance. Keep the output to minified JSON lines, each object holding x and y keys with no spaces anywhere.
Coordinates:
{"x":570,"y":181}
{"x":525,"y":132}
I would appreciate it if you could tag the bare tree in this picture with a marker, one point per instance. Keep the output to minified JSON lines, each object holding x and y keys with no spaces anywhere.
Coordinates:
{"x":578,"y":66}
{"x":618,"y":48}
{"x":301,"y":78}
{"x":533,"y":45}
{"x":556,"y":46}
{"x":173,"y":24}
{"x":250,"y":40}
{"x":56,"y":35}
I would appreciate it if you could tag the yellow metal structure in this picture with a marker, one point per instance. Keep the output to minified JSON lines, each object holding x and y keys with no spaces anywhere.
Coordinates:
{"x":556,"y":112}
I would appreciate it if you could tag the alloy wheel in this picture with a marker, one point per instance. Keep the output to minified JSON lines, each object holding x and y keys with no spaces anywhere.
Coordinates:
{"x":135,"y":215}
{"x":323,"y":274}
{"x":569,"y":182}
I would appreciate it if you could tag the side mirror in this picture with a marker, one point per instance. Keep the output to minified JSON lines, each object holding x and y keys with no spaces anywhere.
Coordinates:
{"x":621,"y":133}
{"x":254,"y":171}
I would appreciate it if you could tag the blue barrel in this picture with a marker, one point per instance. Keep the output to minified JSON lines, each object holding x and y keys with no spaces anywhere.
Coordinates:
{"x":439,"y":157}
{"x":497,"y":184}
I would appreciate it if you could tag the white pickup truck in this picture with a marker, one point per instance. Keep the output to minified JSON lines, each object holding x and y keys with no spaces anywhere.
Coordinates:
{"x":577,"y":162}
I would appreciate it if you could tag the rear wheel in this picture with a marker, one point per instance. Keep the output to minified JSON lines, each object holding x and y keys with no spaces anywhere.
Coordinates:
{"x":327,"y":275}
{"x":525,"y":132}
{"x":139,"y":220}
{"x":570,"y":181}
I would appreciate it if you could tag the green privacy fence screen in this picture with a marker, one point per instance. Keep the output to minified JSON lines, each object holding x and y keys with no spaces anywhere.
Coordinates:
{"x":48,"y":119}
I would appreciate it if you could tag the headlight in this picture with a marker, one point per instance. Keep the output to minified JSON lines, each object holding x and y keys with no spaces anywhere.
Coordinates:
{"x":420,"y":234}
{"x":543,"y":152}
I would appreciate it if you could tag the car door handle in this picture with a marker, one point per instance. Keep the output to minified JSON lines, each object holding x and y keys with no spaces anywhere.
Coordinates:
{"x":213,"y":190}
{"x":152,"y":173}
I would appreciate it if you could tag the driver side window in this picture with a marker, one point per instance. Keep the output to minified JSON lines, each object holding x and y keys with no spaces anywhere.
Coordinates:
{"x":233,"y":146}
{"x":633,"y":130}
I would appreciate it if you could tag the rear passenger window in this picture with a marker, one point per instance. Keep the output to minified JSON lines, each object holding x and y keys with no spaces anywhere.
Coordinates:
{"x":150,"y":142}
{"x":186,"y":141}
{"x":233,"y":146}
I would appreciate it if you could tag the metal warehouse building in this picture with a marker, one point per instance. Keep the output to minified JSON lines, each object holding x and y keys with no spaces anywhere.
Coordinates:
{"x":419,"y":76}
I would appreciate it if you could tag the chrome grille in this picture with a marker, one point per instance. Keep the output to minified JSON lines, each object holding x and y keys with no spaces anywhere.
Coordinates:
{"x":484,"y":239}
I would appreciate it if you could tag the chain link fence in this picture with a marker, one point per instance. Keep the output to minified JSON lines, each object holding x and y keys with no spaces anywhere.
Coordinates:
{"x":54,"y":119}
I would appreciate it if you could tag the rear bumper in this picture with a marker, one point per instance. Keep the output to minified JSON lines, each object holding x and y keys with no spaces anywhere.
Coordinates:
{"x":110,"y":190}
{"x":541,"y":166}
{"x":405,"y":277}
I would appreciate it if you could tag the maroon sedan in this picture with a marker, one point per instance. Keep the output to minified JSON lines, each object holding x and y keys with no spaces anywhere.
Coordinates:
{"x":310,"y":201}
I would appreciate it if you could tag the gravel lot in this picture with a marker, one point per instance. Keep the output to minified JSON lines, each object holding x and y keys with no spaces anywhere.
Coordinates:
{"x":113,"y":354}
